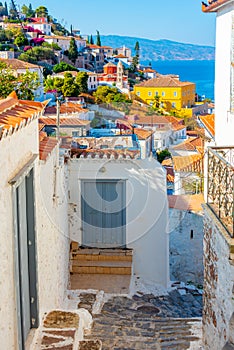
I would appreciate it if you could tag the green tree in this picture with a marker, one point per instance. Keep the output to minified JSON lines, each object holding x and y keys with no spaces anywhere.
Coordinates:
{"x":28,"y":83}
{"x":137,"y":49}
{"x":49,"y":84}
{"x":8,"y":81}
{"x":91,"y":40}
{"x":82,"y":81}
{"x":70,"y":88}
{"x":58,"y":84}
{"x":134,"y":65}
{"x":107,"y":94}
{"x":63,"y":67}
{"x":41,"y":11}
{"x":21,"y":40}
{"x":98,"y":42}
{"x":72,"y":51}
{"x":163,"y":155}
{"x":38,"y":53}
{"x":24,"y":9}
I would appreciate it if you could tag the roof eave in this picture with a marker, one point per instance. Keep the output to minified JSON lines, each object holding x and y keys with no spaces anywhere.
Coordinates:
{"x":215,"y":6}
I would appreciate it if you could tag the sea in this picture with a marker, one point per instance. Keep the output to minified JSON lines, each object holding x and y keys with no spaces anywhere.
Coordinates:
{"x":199,"y":72}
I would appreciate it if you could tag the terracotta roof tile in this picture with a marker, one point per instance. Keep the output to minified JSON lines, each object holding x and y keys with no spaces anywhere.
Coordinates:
{"x":209,"y":122}
{"x":15,"y":64}
{"x":64,"y":121}
{"x":147,"y":119}
{"x":15,"y":113}
{"x":163,"y":82}
{"x":192,"y":163}
{"x":186,"y":202}
{"x":213,"y":5}
{"x":46,"y":146}
{"x":191,"y":144}
{"x":109,"y":153}
{"x":65,"y":108}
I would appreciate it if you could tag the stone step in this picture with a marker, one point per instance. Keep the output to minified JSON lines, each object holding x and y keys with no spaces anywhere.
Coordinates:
{"x":102,"y":267}
{"x":100,"y":257}
{"x":90,"y":345}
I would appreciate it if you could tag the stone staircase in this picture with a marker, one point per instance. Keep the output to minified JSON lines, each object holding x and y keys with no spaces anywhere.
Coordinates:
{"x":127,"y":324}
{"x":101,"y":261}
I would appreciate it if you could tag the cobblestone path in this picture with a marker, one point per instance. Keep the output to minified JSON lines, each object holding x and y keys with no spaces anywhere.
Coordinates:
{"x":148,"y":322}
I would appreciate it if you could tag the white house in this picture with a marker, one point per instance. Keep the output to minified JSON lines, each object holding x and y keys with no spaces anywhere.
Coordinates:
{"x":64,"y":41}
{"x":41,"y":23}
{"x":20,"y":67}
{"x":34,"y":236}
{"x":119,"y":200}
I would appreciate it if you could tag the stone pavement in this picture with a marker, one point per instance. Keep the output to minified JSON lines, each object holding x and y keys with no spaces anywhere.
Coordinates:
{"x":146,"y":321}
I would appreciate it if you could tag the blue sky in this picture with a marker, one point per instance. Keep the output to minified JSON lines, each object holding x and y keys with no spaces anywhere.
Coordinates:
{"x":178,"y":20}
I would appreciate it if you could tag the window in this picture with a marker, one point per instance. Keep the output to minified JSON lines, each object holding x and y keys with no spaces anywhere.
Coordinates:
{"x":138,"y":93}
{"x":156,"y":93}
{"x":149,"y":93}
{"x":94,"y":78}
{"x":163,"y":93}
{"x":173,"y":105}
{"x":175,"y":93}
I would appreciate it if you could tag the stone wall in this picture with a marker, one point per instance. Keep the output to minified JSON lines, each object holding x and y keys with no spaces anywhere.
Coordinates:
{"x":186,"y":246}
{"x":218,"y":284}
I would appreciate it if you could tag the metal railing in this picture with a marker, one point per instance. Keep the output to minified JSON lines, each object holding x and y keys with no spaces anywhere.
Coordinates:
{"x":220,"y":192}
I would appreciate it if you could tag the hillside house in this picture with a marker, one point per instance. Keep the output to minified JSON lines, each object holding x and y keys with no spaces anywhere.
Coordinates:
{"x":20,"y":67}
{"x":172,"y":92}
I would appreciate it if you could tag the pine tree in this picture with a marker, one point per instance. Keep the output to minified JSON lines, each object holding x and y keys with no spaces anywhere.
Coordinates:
{"x":73,"y":51}
{"x":98,"y":39}
{"x":91,"y":40}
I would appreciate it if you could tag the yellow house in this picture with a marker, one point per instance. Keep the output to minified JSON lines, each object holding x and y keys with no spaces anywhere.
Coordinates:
{"x":172,"y":93}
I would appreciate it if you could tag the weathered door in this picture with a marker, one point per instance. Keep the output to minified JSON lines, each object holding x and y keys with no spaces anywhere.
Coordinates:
{"x":25,"y":257}
{"x":103,"y":210}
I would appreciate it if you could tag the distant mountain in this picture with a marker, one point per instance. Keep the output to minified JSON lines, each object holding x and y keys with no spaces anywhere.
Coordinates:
{"x":153,"y":50}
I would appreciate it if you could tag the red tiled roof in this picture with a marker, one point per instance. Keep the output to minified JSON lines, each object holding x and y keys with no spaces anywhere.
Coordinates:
{"x":109,"y":153}
{"x":46,"y":146}
{"x":192,"y":163}
{"x":214,"y":5}
{"x":209,"y":122}
{"x":65,"y":108}
{"x":191,"y":144}
{"x":186,"y":202}
{"x":163,"y":82}
{"x":64,"y":121}
{"x":148,"y":119}
{"x":15,"y":113}
{"x":15,"y":64}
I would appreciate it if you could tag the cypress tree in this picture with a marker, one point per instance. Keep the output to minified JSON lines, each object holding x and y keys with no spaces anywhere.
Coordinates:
{"x":91,"y":40}
{"x":6,"y":9}
{"x":72,"y":51}
{"x":98,"y":39}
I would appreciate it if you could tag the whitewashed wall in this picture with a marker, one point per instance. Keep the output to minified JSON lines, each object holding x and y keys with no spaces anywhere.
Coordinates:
{"x":52,"y":233}
{"x":146,"y":212}
{"x":15,"y":151}
{"x":51,"y":229}
{"x":224,"y":120}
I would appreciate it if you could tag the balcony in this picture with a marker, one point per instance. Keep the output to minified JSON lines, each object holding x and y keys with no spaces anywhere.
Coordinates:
{"x":220,"y":193}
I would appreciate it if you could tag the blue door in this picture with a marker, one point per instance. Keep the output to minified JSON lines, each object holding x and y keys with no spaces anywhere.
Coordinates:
{"x":103,"y":209}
